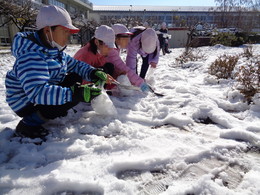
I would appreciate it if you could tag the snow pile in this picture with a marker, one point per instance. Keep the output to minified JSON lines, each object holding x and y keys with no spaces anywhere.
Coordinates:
{"x":199,"y":138}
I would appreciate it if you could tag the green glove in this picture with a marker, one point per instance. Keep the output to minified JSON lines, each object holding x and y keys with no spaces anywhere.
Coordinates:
{"x":98,"y":76}
{"x":84,"y":93}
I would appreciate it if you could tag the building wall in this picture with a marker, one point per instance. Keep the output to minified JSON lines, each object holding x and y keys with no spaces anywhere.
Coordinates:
{"x":179,"y":37}
{"x":172,"y":18}
{"x":176,"y":18}
{"x":4,"y":33}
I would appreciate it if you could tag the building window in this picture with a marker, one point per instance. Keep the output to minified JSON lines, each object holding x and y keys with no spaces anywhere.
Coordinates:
{"x":72,"y":9}
{"x":85,"y":1}
{"x":4,"y":33}
{"x":169,"y":18}
{"x":161,"y":18}
{"x":39,"y":1}
{"x":5,"y":41}
{"x":102,"y":17}
{"x":57,"y":3}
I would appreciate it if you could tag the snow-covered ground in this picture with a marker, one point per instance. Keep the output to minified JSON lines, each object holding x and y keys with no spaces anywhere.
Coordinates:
{"x":200,"y":138}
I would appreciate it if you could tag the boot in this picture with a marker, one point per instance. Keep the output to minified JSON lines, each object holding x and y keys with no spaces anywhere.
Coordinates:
{"x":23,"y":130}
{"x":31,"y":126}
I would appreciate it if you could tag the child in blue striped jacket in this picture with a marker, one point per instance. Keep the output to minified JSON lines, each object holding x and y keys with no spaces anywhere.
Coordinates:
{"x":43,"y":82}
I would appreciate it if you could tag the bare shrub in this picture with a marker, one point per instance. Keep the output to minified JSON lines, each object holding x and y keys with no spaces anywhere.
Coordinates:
{"x":248,"y":52}
{"x":223,"y":67}
{"x":248,"y":77}
{"x":190,"y":55}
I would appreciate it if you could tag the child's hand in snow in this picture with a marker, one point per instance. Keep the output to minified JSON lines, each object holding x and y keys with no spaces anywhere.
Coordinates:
{"x":144,"y":87}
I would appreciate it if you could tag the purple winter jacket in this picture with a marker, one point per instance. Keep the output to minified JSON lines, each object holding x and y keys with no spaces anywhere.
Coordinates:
{"x":134,"y":48}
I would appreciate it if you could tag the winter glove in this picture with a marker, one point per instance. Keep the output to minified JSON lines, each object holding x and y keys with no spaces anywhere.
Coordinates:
{"x":84,"y":93}
{"x":144,"y":87}
{"x":98,"y":76}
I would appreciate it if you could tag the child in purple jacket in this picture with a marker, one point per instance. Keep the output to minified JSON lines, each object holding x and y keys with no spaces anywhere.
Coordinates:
{"x":144,"y":42}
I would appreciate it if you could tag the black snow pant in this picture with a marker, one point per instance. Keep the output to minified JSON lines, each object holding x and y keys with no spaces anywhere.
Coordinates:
{"x":53,"y":111}
{"x":145,"y":66}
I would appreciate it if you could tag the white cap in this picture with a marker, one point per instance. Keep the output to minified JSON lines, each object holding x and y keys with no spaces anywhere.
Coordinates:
{"x":164,"y":24}
{"x":54,"y":16}
{"x":106,"y":34}
{"x":121,"y":29}
{"x":148,"y":40}
{"x":146,"y":24}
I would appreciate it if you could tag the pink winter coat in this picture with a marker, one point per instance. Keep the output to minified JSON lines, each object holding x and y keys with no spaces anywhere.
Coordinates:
{"x":134,"y":48}
{"x":86,"y":55}
{"x":121,"y":68}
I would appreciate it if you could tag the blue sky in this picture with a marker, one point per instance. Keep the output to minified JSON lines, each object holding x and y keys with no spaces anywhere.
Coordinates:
{"x":156,"y":2}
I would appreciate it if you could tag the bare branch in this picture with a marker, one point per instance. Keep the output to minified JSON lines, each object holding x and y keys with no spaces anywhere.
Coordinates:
{"x":21,"y":16}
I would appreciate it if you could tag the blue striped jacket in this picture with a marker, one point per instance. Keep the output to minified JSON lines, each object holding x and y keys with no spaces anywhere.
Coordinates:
{"x":37,"y":72}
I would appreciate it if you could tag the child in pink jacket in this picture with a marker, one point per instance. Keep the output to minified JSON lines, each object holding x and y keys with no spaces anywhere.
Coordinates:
{"x":96,"y":50}
{"x":122,"y":38}
{"x":101,"y":52}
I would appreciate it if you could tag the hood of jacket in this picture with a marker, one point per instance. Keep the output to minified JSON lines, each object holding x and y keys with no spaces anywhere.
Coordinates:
{"x":25,"y":42}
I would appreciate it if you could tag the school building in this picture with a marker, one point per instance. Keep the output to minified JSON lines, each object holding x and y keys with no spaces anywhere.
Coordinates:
{"x":177,"y":18}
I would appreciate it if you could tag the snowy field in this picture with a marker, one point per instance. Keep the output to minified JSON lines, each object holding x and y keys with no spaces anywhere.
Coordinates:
{"x":199,"y":138}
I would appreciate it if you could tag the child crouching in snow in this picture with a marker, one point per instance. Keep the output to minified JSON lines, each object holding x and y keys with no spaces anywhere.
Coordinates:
{"x":122,"y":39}
{"x":43,"y":82}
{"x":144,"y":42}
{"x":95,"y":51}
{"x":101,"y":52}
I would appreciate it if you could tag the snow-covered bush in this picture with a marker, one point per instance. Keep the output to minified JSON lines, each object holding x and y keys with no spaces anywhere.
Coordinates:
{"x":190,"y":55}
{"x":223,"y":67}
{"x":248,"y":78}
